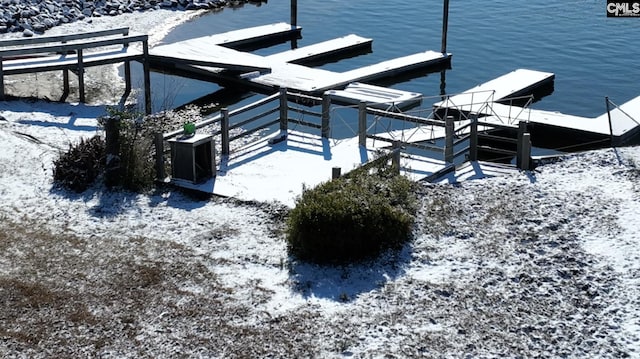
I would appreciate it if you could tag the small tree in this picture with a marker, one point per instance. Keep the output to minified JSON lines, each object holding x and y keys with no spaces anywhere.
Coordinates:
{"x":353,"y":217}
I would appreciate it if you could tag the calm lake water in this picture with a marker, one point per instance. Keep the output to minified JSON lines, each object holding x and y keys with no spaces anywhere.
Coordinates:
{"x":592,"y":56}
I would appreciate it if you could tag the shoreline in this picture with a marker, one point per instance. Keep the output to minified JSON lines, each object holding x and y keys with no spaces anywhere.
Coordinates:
{"x":29,"y":19}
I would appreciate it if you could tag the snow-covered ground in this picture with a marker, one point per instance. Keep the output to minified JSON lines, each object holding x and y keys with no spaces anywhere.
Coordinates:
{"x":536,"y":264}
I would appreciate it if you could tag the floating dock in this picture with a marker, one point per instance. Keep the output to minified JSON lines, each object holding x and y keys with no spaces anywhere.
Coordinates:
{"x":520,"y":82}
{"x":202,"y":58}
{"x":549,"y":129}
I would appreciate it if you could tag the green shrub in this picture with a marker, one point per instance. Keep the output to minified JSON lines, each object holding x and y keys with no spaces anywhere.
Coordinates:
{"x":78,"y":168}
{"x":352,"y":218}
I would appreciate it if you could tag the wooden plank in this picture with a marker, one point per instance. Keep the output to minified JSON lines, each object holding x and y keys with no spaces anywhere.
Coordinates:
{"x":60,"y":62}
{"x":65,"y":48}
{"x":321,"y":50}
{"x":63,"y":38}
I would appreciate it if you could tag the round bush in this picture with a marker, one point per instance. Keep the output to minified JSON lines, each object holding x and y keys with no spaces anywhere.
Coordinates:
{"x":353,"y":218}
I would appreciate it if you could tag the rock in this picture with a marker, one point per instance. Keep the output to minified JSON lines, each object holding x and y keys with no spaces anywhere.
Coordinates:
{"x":27,"y":33}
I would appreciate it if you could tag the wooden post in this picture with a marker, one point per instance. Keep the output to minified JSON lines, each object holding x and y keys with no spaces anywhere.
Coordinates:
{"x":294,"y":12}
{"x":284,"y":110}
{"x":395,"y":156}
{"x":65,"y":84}
{"x":606,"y":99}
{"x":445,"y":25}
{"x":362,"y":123}
{"x":159,"y":145}
{"x":525,"y":154}
{"x":112,"y":150}
{"x":147,"y":78}
{"x":473,"y":139}
{"x":448,"y":140}
{"x":1,"y":80}
{"x":294,"y":22}
{"x":81,"y":76}
{"x":224,"y":129}
{"x":326,"y":106}
{"x":522,"y":129}
{"x":127,"y":80}
{"x":443,"y":83}
{"x":335,"y":172}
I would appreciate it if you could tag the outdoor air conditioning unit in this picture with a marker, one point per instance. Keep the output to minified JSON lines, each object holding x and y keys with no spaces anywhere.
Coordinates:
{"x":193,"y":158}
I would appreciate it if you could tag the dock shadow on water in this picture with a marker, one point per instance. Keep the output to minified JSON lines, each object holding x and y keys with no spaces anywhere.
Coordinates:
{"x":344,"y":283}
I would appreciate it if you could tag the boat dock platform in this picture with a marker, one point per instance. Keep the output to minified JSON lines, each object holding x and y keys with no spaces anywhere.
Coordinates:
{"x":305,"y":159}
{"x":215,"y":59}
{"x":549,"y":129}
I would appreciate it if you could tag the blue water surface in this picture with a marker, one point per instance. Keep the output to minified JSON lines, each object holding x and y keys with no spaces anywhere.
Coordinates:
{"x":592,"y":56}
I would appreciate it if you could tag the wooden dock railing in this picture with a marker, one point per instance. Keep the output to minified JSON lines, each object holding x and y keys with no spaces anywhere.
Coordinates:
{"x":69,"y":53}
{"x":461,"y":134}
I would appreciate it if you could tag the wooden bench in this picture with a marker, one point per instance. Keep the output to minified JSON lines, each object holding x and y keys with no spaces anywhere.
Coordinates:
{"x":69,"y":53}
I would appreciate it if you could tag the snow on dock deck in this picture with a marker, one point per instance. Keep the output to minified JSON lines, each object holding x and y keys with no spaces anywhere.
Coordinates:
{"x":315,"y":81}
{"x":512,"y":84}
{"x":280,"y":70}
{"x":323,"y":49}
{"x":213,"y":51}
{"x":375,"y":96}
{"x":267,"y":172}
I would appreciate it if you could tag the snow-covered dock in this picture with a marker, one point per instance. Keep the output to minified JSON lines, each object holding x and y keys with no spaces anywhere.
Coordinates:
{"x":267,"y":172}
{"x":619,"y":124}
{"x":517,"y":83}
{"x":282,"y":70}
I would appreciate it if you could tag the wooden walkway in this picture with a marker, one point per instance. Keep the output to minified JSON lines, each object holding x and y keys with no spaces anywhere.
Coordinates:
{"x":74,"y":53}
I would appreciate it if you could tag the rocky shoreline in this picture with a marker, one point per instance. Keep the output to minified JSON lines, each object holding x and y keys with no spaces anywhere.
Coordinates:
{"x":36,"y":16}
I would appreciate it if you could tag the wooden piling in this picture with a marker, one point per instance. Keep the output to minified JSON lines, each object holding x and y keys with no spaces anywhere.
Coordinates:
{"x":80,"y":75}
{"x":224,"y":129}
{"x":336,"y":172}
{"x":525,"y":154}
{"x":294,"y":13}
{"x":448,"y":141}
{"x":284,"y":110}
{"x":473,"y":139}
{"x":520,"y":146}
{"x":395,"y":156}
{"x":326,"y":106}
{"x":147,"y":77}
{"x":362,"y":123}
{"x":445,"y":25}
{"x":65,"y":84}
{"x":1,"y":81}
{"x":159,"y":145}
{"x":127,"y":79}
